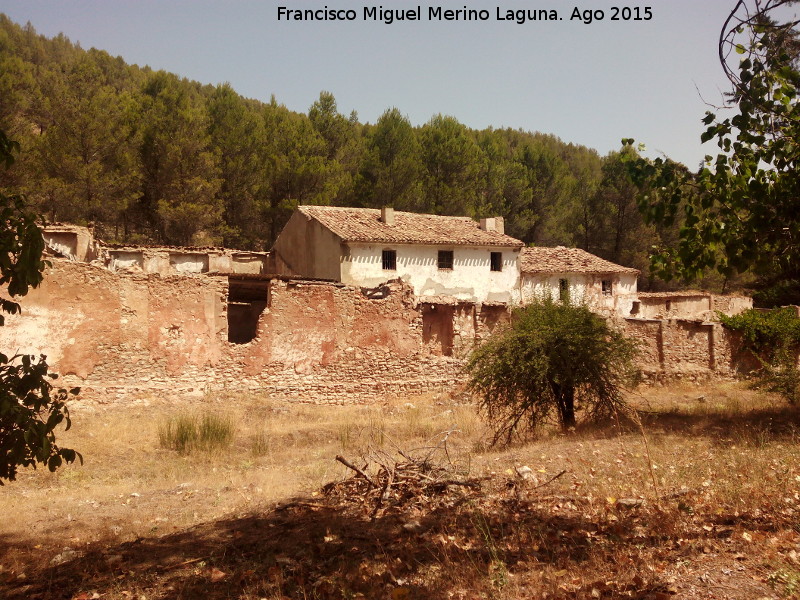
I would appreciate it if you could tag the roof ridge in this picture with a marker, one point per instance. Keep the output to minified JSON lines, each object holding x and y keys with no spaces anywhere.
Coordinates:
{"x":356,"y":224}
{"x":560,"y":259}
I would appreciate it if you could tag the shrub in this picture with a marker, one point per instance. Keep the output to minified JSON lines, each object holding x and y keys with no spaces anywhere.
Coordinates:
{"x":187,"y":433}
{"x":553,"y":358}
{"x":773,"y":337}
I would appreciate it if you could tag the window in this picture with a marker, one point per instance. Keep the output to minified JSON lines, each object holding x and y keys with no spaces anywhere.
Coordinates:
{"x":606,"y":283}
{"x":445,"y":260}
{"x":563,"y":290}
{"x":496,"y":260}
{"x":389,"y":259}
{"x":247,"y":299}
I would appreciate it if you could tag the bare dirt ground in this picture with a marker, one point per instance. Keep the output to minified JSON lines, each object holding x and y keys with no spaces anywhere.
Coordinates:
{"x":705,"y":505}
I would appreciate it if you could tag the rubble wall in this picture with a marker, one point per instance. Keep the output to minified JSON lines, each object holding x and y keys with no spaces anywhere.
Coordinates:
{"x":687,"y":349}
{"x":123,"y":334}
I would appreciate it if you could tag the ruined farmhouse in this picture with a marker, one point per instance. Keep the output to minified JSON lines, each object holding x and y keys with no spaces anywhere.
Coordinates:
{"x":349,"y":305}
{"x":437,"y":256}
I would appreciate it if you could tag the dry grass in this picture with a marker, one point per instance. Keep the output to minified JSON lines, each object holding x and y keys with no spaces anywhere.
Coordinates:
{"x":708,"y":508}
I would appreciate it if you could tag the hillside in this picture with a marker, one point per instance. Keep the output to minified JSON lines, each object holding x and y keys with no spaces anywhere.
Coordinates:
{"x":152,"y":157}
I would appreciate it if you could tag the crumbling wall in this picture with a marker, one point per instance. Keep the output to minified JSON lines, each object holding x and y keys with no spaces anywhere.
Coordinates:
{"x":70,"y":241}
{"x":123,"y":334}
{"x":687,"y":349}
{"x":674,"y":305}
{"x":647,"y":335}
{"x":732,"y":305}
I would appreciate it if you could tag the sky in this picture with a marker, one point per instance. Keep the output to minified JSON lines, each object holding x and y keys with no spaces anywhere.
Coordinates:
{"x":589,"y":83}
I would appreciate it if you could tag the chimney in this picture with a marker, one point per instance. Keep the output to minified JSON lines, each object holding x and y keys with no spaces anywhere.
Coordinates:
{"x":493,"y":224}
{"x":387,"y":215}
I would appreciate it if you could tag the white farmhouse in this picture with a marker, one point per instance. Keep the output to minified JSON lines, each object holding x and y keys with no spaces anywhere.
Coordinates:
{"x":455,"y":257}
{"x":607,"y":288}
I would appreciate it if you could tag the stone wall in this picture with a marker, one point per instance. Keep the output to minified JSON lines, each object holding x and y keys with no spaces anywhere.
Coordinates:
{"x":125,"y":334}
{"x":687,"y":349}
{"x":122,"y":334}
{"x":688,"y":305}
{"x":181,"y":261}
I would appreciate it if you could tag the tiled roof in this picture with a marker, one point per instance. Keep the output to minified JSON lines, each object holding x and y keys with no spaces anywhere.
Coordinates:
{"x":365,"y":225}
{"x":566,"y":260}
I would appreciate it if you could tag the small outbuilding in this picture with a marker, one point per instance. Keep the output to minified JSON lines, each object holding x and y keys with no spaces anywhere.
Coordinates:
{"x":606,"y":287}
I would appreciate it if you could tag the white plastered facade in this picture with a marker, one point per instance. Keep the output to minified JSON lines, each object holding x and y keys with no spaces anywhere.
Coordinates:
{"x":471,"y":277}
{"x":586,"y":288}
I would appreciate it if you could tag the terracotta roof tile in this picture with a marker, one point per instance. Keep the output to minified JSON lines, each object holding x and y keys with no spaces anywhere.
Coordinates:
{"x":566,"y":260}
{"x":365,"y":225}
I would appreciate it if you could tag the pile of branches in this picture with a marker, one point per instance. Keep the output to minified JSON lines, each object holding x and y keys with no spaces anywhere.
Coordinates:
{"x":387,"y":481}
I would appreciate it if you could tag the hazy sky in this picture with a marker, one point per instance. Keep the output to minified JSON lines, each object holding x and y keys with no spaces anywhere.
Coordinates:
{"x":590,"y":84}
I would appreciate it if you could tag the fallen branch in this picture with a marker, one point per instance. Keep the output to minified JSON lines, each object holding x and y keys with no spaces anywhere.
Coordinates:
{"x":397,"y":483}
{"x":549,"y":481}
{"x":350,"y":465}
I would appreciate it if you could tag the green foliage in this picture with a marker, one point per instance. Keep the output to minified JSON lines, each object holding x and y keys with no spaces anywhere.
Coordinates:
{"x":84,"y":160}
{"x":451,"y":162}
{"x":30,"y":410}
{"x":189,"y":433}
{"x":391,"y":168}
{"x":773,"y":337}
{"x":553,"y":358}
{"x":180,"y":187}
{"x":237,"y":136}
{"x":150,"y":157}
{"x":766,"y":332}
{"x":739,"y":211}
{"x":777,"y":291}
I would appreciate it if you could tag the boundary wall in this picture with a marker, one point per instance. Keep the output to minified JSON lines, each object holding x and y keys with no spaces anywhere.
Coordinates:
{"x":121,"y":335}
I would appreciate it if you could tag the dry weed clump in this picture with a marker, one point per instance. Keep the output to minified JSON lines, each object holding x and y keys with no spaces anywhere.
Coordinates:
{"x":186,"y":433}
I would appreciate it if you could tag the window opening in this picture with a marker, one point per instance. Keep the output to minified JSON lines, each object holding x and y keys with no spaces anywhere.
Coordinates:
{"x":496,"y":260}
{"x":445,"y":260}
{"x":389,"y":260}
{"x":606,"y":287}
{"x":247,"y":299}
{"x":563,"y":290}
{"x":63,"y":244}
{"x":126,"y":260}
{"x":189,"y":263}
{"x":635,"y":306}
{"x":437,"y":327}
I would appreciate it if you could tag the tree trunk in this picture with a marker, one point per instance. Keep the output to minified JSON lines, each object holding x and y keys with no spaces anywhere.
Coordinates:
{"x":568,"y":411}
{"x":565,"y":402}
